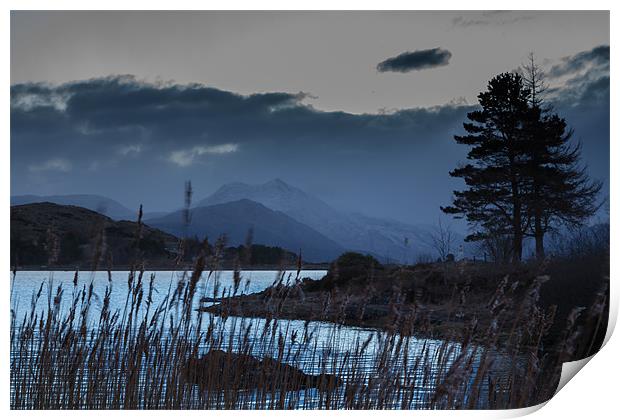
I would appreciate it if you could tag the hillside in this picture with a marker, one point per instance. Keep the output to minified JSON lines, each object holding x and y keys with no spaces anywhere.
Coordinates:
{"x":104,"y":205}
{"x":48,"y":234}
{"x":236,"y":218}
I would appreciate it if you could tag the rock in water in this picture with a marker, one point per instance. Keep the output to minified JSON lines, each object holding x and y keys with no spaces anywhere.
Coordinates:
{"x":218,"y":370}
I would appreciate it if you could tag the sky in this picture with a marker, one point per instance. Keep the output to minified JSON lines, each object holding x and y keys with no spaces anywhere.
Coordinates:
{"x":357,"y":108}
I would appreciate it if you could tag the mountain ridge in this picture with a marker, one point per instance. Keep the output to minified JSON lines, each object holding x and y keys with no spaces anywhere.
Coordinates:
{"x":236,"y":218}
{"x":388,"y":239}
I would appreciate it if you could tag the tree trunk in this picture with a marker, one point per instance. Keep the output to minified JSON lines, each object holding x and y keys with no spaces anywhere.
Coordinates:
{"x":539,"y":235}
{"x":517,"y":246}
{"x":517,"y":234}
{"x":540,"y":248}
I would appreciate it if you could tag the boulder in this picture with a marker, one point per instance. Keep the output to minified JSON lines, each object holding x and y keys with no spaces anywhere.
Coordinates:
{"x":219,"y":370}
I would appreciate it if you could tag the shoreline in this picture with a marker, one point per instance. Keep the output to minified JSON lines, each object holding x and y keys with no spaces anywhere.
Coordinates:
{"x":180,"y":269}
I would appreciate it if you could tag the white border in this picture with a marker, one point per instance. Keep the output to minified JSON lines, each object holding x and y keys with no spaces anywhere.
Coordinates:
{"x":592,"y":395}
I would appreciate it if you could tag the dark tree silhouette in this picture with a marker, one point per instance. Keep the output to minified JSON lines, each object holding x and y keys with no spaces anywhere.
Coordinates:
{"x":493,"y":203}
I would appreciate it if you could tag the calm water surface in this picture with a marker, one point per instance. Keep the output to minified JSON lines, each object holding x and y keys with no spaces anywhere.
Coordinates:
{"x":27,"y":283}
{"x":336,"y":342}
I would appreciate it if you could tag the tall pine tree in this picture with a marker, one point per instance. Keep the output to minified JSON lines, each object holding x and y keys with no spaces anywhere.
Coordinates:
{"x":524,"y":177}
{"x":494,"y":202}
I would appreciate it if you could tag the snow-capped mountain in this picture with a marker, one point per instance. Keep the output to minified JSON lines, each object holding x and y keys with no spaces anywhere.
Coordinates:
{"x":236,"y":218}
{"x":386,"y":239}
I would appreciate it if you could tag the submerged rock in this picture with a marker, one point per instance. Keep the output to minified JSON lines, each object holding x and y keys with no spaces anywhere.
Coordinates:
{"x":219,"y":370}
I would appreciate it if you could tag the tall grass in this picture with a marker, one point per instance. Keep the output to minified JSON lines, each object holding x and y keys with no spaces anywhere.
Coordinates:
{"x":147,"y":356}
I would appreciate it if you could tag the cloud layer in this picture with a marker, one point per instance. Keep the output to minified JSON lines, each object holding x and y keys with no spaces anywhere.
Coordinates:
{"x":416,"y":60}
{"x":188,"y":156}
{"x":133,"y":118}
{"x":581,"y":79}
{"x":139,"y":142}
{"x":596,"y":57}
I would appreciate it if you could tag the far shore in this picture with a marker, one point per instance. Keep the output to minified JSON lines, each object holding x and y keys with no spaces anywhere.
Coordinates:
{"x":168,"y":268}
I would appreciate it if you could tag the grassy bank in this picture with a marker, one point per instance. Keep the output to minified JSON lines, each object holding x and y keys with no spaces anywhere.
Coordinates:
{"x":451,"y":300}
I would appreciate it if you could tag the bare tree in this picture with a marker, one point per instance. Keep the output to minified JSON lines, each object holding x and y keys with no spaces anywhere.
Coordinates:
{"x":534,"y":81}
{"x":442,"y":239}
{"x":497,"y":247}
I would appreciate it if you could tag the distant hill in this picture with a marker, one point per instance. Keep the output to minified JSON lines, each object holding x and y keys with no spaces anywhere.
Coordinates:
{"x":98,"y":203}
{"x":41,"y":230}
{"x":260,"y":255}
{"x":269,"y":227}
{"x":386,"y":239}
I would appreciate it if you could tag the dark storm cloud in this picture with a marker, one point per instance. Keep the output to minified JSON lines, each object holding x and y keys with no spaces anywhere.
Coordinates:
{"x":416,"y":60}
{"x":585,"y":78}
{"x":597,"y":57}
{"x":186,"y":123}
{"x":596,"y":91}
{"x":115,"y":102}
{"x":584,"y":90}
